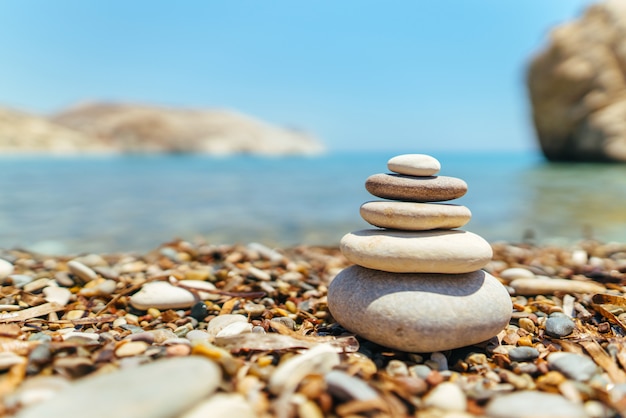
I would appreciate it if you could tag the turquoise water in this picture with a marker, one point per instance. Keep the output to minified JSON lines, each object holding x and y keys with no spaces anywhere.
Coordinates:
{"x":107,"y":204}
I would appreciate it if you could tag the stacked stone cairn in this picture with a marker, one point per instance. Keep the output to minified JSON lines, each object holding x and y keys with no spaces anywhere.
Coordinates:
{"x":417,"y":283}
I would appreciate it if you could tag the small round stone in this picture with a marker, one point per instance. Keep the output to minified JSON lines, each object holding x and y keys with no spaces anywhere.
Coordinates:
{"x":419,"y":312}
{"x":441,"y":360}
{"x":219,"y":323}
{"x":526,"y":367}
{"x":415,"y":189}
{"x":520,"y":354}
{"x":559,"y":326}
{"x":575,"y":366}
{"x":146,"y":337}
{"x":528,"y":325}
{"x":74,"y":314}
{"x":447,"y":251}
{"x":222,"y":405}
{"x":80,"y":270}
{"x":235,"y":328}
{"x":162,"y":295}
{"x":413,"y":216}
{"x":98,"y":287}
{"x":446,"y":396}
{"x":40,"y":355}
{"x":533,"y":404}
{"x":516,"y":273}
{"x":254,"y":309}
{"x":421,"y":370}
{"x":414,"y":165}
{"x":6,"y":268}
{"x":286,"y":321}
{"x":178,"y":350}
{"x":199,"y":311}
{"x":133,"y":348}
{"x":197,"y":334}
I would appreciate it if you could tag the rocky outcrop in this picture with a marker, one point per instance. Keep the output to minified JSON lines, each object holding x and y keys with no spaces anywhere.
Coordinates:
{"x":124,"y":128}
{"x":577,"y":87}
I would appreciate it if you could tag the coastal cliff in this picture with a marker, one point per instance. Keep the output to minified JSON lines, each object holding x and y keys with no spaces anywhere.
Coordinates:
{"x":126,"y":128}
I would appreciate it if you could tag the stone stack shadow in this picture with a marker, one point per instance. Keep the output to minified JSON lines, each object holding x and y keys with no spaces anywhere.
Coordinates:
{"x":417,"y":283}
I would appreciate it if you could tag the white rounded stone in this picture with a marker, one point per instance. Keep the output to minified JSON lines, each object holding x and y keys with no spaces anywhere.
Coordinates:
{"x":414,"y":165}
{"x":446,"y":396}
{"x":197,"y":334}
{"x":81,"y":271}
{"x":235,"y":328}
{"x":221,"y":322}
{"x":513,"y":273}
{"x":6,"y":268}
{"x":580,"y":257}
{"x":162,"y":295}
{"x":419,"y":312}
{"x":222,"y":405}
{"x":533,"y":404}
{"x":319,"y":360}
{"x":413,"y":216}
{"x":447,"y":251}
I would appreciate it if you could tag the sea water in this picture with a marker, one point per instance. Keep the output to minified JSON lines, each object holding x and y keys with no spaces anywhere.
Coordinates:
{"x":135,"y":203}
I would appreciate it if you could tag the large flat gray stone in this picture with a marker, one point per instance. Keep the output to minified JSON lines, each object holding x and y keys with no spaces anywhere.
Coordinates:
{"x":419,"y":312}
{"x":163,"y":389}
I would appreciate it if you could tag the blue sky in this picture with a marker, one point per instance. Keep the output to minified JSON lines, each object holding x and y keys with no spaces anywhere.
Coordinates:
{"x":359,"y":74}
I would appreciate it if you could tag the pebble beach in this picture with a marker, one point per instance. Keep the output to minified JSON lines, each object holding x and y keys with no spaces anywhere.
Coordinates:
{"x":245,"y":330}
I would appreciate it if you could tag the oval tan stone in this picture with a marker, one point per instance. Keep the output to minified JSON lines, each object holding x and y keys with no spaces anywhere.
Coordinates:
{"x":419,"y":312}
{"x":415,"y":189}
{"x":414,"y":165}
{"x":447,"y":251}
{"x":535,"y":286}
{"x":413,"y":216}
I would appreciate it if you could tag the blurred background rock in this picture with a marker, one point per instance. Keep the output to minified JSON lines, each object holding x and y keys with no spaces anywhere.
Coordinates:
{"x":577,"y":86}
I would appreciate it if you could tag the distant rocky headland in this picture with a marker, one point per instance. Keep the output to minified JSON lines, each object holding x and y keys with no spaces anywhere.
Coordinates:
{"x":142,"y":129}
